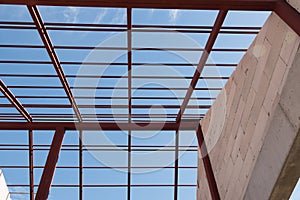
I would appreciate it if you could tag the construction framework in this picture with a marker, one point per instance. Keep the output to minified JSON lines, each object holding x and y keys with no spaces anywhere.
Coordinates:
{"x":178,"y":121}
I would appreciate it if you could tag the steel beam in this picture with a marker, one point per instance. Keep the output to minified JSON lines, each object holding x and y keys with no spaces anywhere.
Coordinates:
{"x":175,"y":4}
{"x":51,"y":52}
{"x":107,"y":106}
{"x":208,"y":48}
{"x":129,"y":78}
{"x":10,"y":96}
{"x":80,"y":165}
{"x":176,"y":165}
{"x":213,"y":188}
{"x":31,"y":166}
{"x":50,"y":166}
{"x":140,"y":125}
{"x":288,"y":14}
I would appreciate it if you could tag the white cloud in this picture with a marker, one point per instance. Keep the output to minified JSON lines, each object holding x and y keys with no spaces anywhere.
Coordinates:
{"x":120,"y":16}
{"x":71,"y":14}
{"x":100,"y":16}
{"x":151,"y":11}
{"x":173,"y":14}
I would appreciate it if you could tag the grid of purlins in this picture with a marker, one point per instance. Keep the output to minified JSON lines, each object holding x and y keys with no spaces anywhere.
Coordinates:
{"x":84,"y":172}
{"x":125,"y":71}
{"x":40,"y":54}
{"x":96,"y":89}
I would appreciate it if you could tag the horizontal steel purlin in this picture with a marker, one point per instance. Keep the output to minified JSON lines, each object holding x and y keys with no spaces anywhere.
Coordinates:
{"x":184,"y":125}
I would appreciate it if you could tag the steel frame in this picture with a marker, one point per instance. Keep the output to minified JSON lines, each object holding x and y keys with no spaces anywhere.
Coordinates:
{"x":50,"y":166}
{"x":184,"y":125}
{"x":49,"y":47}
{"x":176,"y":4}
{"x":212,"y":184}
{"x":204,"y":56}
{"x":280,"y":7}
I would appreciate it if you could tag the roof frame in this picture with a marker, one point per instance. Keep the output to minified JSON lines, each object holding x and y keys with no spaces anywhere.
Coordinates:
{"x":281,"y":7}
{"x":15,"y":103}
{"x":54,"y":59}
{"x":204,"y":56}
{"x":285,"y":11}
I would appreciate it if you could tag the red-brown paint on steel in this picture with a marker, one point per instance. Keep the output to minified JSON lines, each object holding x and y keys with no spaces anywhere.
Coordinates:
{"x":288,"y":14}
{"x":213,"y":187}
{"x":160,"y":4}
{"x":115,"y":125}
{"x":208,"y":47}
{"x":15,"y":103}
{"x":37,"y":19}
{"x":50,"y":166}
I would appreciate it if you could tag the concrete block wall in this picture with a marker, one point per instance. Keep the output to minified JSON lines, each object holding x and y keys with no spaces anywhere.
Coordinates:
{"x":261,"y":112}
{"x":4,"y":193}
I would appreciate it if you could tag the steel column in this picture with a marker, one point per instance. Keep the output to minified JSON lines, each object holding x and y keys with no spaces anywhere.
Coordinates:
{"x":176,"y":165}
{"x":31,"y":175}
{"x":80,"y":166}
{"x":50,"y":166}
{"x":129,"y":60}
{"x":208,"y":48}
{"x":213,"y":188}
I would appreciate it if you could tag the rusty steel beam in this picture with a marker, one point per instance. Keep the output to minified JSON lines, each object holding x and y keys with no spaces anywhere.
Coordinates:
{"x":213,"y":187}
{"x":54,"y":59}
{"x":50,"y":166}
{"x":175,"y":4}
{"x":205,"y":54}
{"x":288,"y":14}
{"x":159,"y":125}
{"x":15,"y":103}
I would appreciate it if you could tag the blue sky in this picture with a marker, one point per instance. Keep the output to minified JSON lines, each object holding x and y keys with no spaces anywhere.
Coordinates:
{"x":90,"y":38}
{"x":296,"y":192}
